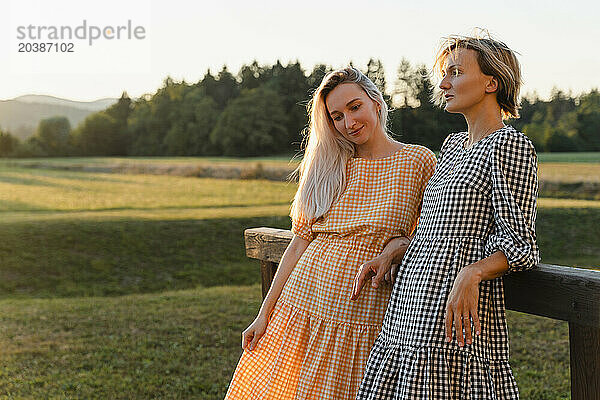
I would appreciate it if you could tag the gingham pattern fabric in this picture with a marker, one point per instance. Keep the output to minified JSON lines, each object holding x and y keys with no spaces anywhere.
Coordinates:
{"x":317,"y":341}
{"x":480,"y":200}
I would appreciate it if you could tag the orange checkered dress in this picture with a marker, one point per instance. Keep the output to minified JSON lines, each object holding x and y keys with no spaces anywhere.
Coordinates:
{"x":317,"y":341}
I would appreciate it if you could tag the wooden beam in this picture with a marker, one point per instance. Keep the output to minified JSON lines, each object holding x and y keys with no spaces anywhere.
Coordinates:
{"x":568,"y":294}
{"x":267,"y":244}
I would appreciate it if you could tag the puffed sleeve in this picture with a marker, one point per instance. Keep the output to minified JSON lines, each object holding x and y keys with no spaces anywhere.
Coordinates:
{"x":425,"y":166}
{"x":302,"y":227}
{"x":513,"y":168}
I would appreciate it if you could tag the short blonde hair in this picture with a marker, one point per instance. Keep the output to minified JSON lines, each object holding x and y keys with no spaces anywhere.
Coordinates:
{"x":495,"y":59}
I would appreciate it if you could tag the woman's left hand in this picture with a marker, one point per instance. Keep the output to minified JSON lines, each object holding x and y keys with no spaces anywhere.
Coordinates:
{"x":384,"y":267}
{"x":378,"y":270}
{"x":462,"y":305}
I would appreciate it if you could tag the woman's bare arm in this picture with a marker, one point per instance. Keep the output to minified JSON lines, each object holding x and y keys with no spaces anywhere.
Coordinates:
{"x":288,"y":261}
{"x":292,"y":254}
{"x":463,"y":300}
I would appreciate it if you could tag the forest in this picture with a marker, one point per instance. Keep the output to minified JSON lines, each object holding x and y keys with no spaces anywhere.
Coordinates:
{"x":261,"y":110}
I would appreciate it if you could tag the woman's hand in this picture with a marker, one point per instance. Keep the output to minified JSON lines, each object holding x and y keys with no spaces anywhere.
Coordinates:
{"x":254,"y":332}
{"x":383,"y":267}
{"x":462,"y":305}
{"x":375,"y":270}
{"x":292,"y":254}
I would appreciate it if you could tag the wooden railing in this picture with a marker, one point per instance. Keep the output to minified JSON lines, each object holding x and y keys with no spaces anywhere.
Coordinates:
{"x":568,"y":294}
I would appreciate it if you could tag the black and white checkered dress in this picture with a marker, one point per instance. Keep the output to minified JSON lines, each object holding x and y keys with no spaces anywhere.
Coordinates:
{"x":480,"y":200}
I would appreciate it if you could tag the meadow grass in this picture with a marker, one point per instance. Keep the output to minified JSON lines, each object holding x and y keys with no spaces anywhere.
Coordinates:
{"x":569,"y":172}
{"x":185,"y":345}
{"x":82,"y":234}
{"x":106,"y":161}
{"x":172,"y":345}
{"x":555,"y":170}
{"x":105,"y":293}
{"x":100,"y":255}
{"x":77,"y":257}
{"x":50,"y":190}
{"x":577,"y":157}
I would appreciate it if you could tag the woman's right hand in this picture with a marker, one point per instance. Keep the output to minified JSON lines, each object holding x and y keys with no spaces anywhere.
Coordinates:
{"x":254,"y":332}
{"x":292,"y":254}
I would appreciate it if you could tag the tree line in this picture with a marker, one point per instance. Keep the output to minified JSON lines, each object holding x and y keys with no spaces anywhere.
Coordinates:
{"x":262,"y":111}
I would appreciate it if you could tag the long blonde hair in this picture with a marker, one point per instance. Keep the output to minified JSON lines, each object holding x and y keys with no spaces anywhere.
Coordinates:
{"x":322,"y":172}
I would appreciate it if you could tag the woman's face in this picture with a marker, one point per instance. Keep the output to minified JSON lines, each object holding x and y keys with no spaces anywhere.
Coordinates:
{"x":464,"y":85}
{"x":354,"y":114}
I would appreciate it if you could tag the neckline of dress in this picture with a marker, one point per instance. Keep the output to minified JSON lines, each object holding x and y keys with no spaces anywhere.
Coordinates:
{"x":462,"y":142}
{"x":400,"y":150}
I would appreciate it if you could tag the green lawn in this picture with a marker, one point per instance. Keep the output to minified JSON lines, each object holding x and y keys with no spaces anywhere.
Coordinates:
{"x":137,"y":286}
{"x":65,"y":191}
{"x":580,"y":157}
{"x":170,"y":345}
{"x":107,"y":161}
{"x":185,"y":345}
{"x":564,"y":169}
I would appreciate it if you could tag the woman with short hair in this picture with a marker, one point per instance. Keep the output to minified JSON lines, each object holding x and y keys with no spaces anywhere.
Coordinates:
{"x":359,"y":192}
{"x":444,"y":334}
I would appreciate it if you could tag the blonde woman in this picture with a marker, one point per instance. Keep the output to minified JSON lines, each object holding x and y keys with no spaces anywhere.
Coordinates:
{"x":444,"y":334}
{"x":360,"y":191}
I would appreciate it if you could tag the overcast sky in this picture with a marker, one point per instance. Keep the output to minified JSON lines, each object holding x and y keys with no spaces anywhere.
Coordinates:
{"x":558,"y":41}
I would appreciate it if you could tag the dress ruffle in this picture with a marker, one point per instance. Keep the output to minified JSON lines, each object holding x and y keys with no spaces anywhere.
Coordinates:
{"x":303,"y":356}
{"x":434,"y":373}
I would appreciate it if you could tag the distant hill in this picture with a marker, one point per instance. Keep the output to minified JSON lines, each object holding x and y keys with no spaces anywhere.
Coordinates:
{"x":96,"y":105}
{"x":20,"y":116}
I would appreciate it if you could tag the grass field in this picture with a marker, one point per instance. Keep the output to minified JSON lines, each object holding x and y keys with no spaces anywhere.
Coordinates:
{"x":580,"y":157}
{"x":64,"y":191}
{"x":104,"y":161}
{"x":566,"y":168}
{"x":569,"y":172}
{"x":137,"y":286}
{"x":185,"y":344}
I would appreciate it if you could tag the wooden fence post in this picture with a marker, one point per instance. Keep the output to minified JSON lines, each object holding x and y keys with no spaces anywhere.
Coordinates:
{"x":267,"y":272}
{"x":584,"y":343}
